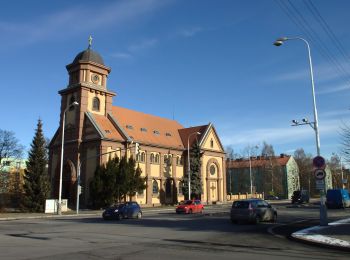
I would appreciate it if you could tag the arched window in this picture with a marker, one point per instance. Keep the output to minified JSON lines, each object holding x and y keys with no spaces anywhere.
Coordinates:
{"x":142,"y":156}
{"x":152,"y":158}
{"x":157,"y":158}
{"x":211,"y":143}
{"x":96,"y":104}
{"x":165,"y":158}
{"x":138,"y":157}
{"x":155,"y":188}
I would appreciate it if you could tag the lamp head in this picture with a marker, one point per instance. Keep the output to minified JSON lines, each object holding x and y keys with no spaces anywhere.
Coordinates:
{"x":198,"y":133}
{"x":75,"y":103}
{"x":295,"y":122}
{"x":280,"y":41}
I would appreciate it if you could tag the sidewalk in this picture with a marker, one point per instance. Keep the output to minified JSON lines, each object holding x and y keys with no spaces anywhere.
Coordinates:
{"x":335,"y":235}
{"x":72,"y":213}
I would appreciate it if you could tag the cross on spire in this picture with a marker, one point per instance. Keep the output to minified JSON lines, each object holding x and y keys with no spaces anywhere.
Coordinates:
{"x":90,"y":42}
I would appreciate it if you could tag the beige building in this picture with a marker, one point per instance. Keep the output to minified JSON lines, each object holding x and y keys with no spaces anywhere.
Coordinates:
{"x":96,"y":127}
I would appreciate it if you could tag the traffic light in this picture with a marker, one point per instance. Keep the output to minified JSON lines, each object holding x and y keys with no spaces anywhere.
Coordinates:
{"x":137,"y":148}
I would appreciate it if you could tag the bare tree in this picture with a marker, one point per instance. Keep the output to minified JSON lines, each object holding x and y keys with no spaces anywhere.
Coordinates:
{"x":345,"y":142}
{"x":304,"y":162}
{"x":336,"y":171}
{"x":9,"y":147}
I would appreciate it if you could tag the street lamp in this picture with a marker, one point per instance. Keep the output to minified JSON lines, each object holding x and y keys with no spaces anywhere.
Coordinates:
{"x":59,"y":209}
{"x":250,"y":170}
{"x":314,"y":125}
{"x":188,"y":164}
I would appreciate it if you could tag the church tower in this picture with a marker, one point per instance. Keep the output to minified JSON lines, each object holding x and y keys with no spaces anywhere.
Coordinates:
{"x":87,"y":89}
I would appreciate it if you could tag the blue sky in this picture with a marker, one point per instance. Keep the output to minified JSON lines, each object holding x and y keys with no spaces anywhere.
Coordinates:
{"x":196,"y":61}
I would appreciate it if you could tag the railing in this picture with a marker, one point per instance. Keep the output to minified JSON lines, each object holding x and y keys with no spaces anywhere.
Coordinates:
{"x":241,"y":196}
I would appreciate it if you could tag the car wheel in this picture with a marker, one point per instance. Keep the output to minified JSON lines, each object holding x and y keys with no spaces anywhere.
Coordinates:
{"x":274,"y":218}
{"x":201,"y":211}
{"x":190,"y":211}
{"x":139,"y":215}
{"x":118,"y":217}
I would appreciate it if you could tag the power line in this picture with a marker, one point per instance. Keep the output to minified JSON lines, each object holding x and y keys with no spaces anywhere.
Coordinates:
{"x":298,"y":19}
{"x":326,"y":28}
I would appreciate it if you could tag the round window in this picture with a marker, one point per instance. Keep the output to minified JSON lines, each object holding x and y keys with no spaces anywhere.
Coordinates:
{"x":212,"y":169}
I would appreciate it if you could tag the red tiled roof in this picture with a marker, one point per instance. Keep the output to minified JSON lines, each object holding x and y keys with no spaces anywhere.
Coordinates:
{"x":107,"y":128}
{"x":132,"y":121}
{"x":185,"y":132}
{"x":257,"y":162}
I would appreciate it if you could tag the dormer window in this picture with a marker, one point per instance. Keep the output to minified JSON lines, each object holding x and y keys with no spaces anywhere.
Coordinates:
{"x":96,"y":104}
{"x":156,"y":132}
{"x":167,"y":134}
{"x":143,"y":129}
{"x":107,"y":131}
{"x":129,"y":127}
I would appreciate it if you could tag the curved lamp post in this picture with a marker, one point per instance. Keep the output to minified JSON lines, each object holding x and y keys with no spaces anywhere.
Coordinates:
{"x":314,"y":125}
{"x":59,"y":208}
{"x":188,"y":164}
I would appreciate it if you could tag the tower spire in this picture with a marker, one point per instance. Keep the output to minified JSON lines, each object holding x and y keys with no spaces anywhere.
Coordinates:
{"x":90,"y":42}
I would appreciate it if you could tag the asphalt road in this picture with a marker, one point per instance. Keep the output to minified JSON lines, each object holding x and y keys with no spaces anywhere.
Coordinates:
{"x":162,"y":235}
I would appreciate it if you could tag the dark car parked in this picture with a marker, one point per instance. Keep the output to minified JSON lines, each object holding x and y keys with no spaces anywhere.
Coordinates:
{"x":252,"y":210}
{"x":300,"y":196}
{"x":129,"y":209}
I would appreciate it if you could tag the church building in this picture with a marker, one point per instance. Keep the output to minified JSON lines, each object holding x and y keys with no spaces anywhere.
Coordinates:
{"x":95,"y":131}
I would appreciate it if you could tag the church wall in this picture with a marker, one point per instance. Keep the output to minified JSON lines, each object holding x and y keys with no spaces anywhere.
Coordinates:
{"x":90,"y":167}
{"x":209,"y":180}
{"x":102,"y":98}
{"x":215,"y":142}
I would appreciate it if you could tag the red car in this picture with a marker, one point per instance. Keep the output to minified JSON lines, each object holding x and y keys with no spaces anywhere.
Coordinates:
{"x":190,"y":206}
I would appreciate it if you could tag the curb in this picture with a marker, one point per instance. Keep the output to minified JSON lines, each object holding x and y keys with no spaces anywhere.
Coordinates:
{"x":310,"y":236}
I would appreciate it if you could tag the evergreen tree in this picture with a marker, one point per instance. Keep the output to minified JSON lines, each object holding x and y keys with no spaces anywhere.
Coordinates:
{"x":195,"y":166}
{"x":135,"y":183}
{"x":104,"y":184}
{"x":96,"y":188}
{"x":36,"y":181}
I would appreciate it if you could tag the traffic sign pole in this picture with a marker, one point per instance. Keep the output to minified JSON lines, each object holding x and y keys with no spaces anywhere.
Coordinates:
{"x":319,"y":164}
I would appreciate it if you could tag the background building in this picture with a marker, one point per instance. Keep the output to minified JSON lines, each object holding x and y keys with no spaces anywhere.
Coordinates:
{"x":97,"y":127}
{"x":275,"y":175}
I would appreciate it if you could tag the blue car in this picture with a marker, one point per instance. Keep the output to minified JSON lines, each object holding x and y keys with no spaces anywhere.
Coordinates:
{"x":337,"y":198}
{"x":129,"y":209}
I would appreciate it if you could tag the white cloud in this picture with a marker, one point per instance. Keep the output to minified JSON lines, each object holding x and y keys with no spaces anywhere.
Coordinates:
{"x":190,"y":32}
{"x":145,"y":44}
{"x":324,"y":75}
{"x":121,"y":55}
{"x":78,"y":19}
{"x":278,"y":135}
{"x":334,"y":89}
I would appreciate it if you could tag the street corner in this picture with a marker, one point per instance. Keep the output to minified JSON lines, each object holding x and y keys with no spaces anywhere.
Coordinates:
{"x":336,"y":235}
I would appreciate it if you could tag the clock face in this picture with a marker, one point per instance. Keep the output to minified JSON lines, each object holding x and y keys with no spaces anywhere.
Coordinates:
{"x":95,"y":78}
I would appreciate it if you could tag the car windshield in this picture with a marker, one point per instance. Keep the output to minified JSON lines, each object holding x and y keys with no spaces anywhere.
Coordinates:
{"x":240,"y":204}
{"x":119,"y":206}
{"x":188,"y":202}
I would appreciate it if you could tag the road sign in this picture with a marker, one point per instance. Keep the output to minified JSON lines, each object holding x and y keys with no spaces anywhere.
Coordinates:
{"x":319,"y":162}
{"x":320,"y":184}
{"x":320,"y":174}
